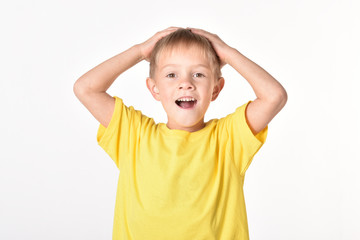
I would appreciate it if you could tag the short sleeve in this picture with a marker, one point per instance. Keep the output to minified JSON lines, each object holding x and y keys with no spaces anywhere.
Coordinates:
{"x":243,"y":144}
{"x":120,"y":137}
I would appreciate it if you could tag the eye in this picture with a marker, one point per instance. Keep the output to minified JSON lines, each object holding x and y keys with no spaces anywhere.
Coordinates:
{"x":171,"y":75}
{"x":199,"y":75}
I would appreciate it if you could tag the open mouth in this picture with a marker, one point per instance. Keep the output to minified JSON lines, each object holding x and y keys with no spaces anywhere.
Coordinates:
{"x":186,"y":102}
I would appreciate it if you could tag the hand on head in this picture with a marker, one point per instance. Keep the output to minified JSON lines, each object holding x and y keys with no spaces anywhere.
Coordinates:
{"x":221,"y":48}
{"x":147,"y":46}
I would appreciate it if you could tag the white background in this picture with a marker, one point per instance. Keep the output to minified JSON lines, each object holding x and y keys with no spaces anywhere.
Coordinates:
{"x":57,"y":183}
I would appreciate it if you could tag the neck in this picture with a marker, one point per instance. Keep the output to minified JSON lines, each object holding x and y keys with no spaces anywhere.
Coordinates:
{"x":194,"y":128}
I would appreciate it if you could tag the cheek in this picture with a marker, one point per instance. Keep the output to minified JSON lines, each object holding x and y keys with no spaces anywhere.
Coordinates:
{"x":166,"y":92}
{"x":208,"y":88}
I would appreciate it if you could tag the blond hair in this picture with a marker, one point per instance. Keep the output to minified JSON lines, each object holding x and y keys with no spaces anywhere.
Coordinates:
{"x":185,"y":38}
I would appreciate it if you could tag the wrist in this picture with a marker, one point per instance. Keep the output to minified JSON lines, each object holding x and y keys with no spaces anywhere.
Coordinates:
{"x":139,"y":54}
{"x":232,"y":53}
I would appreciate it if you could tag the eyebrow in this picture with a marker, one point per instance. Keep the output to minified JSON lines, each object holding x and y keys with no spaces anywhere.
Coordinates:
{"x":197,"y":65}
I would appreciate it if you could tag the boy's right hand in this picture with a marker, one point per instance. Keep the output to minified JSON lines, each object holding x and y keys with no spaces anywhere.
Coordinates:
{"x":147,"y":46}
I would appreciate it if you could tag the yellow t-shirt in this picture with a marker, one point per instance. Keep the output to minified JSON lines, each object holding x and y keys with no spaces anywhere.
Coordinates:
{"x":175,"y":184}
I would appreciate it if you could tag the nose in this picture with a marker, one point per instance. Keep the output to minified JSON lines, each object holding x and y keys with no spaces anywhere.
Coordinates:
{"x":186,"y":84}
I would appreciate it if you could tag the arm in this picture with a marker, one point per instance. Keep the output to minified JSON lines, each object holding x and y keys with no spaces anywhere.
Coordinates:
{"x":91,"y":87}
{"x":271,"y":97}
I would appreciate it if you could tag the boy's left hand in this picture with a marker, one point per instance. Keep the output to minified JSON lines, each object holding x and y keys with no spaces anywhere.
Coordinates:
{"x":221,"y":48}
{"x":270,"y":94}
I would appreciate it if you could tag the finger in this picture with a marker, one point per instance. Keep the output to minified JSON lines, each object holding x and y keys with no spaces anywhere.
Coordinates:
{"x":172,"y":28}
{"x":204,"y":33}
{"x":163,"y":33}
{"x":198,"y":30}
{"x":167,"y":31}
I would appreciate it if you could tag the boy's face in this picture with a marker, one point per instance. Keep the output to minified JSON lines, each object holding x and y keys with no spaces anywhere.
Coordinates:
{"x":185,"y":84}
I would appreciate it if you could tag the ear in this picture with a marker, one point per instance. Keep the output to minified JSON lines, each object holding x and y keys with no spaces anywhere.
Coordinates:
{"x":151,"y":85}
{"x":217,"y":88}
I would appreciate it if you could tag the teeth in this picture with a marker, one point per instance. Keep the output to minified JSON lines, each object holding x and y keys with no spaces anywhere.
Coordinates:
{"x":186,"y":99}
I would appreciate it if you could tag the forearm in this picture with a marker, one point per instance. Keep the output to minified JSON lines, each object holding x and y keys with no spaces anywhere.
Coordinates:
{"x":264,"y":85}
{"x":101,"y":77}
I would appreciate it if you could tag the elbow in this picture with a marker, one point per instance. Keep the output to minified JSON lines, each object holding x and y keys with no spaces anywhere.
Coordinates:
{"x":78,"y":88}
{"x":281,"y":98}
{"x":75,"y":87}
{"x":278,"y":98}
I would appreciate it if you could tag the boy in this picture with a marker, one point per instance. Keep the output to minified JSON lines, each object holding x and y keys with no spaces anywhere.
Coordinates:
{"x":183,"y":179}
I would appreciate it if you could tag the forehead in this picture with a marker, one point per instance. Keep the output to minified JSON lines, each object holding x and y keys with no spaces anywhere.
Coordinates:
{"x":183,"y":55}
